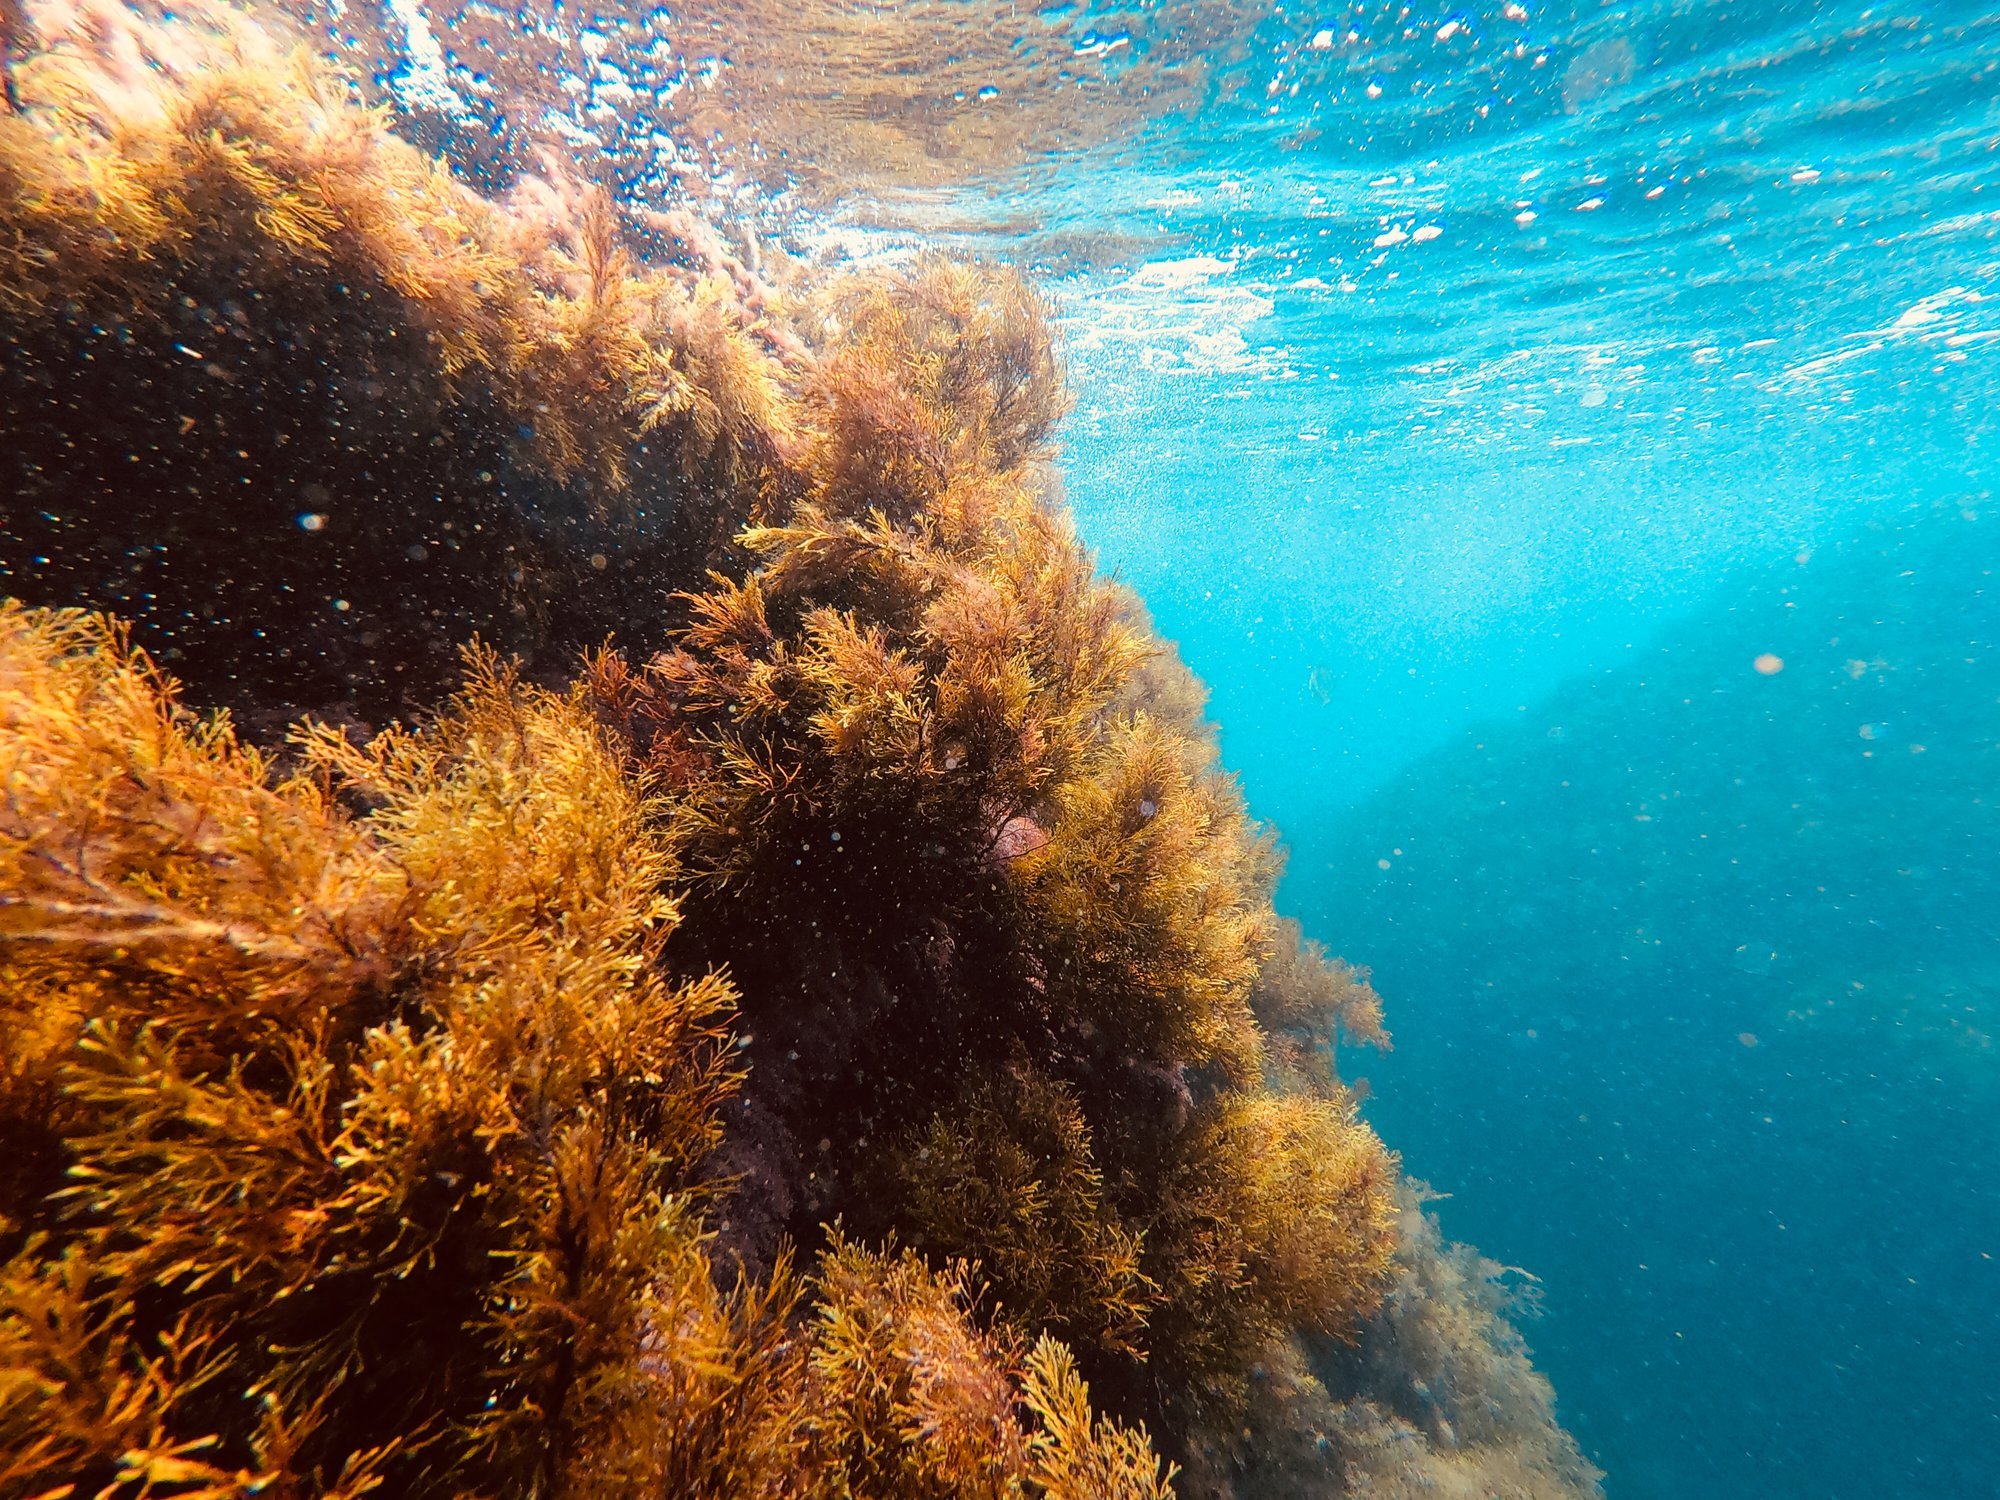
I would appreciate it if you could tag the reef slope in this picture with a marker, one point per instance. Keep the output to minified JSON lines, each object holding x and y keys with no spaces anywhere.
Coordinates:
{"x":789,"y":1049}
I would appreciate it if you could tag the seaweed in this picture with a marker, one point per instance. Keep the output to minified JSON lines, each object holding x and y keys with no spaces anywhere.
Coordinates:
{"x":723,"y":1061}
{"x":1306,"y":1001}
{"x":379,"y":1135}
{"x":1436,"y":1397}
{"x":296,"y":371}
{"x":1008,"y":1174}
{"x":371,"y":1130}
{"x":931,"y":823}
{"x":894,"y":1356}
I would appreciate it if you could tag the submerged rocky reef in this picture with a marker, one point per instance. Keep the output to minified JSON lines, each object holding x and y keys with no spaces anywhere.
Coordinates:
{"x":596,"y":897}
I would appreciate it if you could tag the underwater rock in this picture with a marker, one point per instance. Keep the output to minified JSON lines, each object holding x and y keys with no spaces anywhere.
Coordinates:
{"x":726,"y":1062}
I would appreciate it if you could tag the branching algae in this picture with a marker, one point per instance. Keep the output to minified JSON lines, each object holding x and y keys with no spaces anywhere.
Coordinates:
{"x":834,"y":1040}
{"x":360,"y":1150}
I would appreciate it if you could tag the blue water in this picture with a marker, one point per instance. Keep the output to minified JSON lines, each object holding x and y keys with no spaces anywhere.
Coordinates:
{"x":1698,"y":983}
{"x":1475,"y":441}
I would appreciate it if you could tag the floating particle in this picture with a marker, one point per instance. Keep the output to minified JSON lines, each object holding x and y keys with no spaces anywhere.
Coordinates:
{"x":1426,"y":233}
{"x":1599,"y":68}
{"x":1390,"y":237}
{"x":312,"y":520}
{"x":1747,"y":1038}
{"x":1770,"y":664}
{"x":1526,"y":217}
{"x":1322,"y":40}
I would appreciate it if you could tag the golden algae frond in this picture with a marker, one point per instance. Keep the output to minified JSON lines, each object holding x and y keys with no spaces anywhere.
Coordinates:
{"x":369,"y":1161}
{"x":144,"y":149}
{"x":1306,"y":1002}
{"x":1437,"y":1397}
{"x":372,"y":1128}
{"x":895,"y":1355}
{"x":1009,"y":1174}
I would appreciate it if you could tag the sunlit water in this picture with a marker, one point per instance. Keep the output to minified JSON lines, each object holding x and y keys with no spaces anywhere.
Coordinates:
{"x":1564,"y":440}
{"x":1476,"y":440}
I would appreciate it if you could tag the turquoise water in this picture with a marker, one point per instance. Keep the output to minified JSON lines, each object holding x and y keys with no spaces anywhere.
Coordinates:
{"x":1475,"y":442}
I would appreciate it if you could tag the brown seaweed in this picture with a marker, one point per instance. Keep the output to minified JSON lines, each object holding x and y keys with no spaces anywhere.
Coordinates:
{"x":726,"y":1063}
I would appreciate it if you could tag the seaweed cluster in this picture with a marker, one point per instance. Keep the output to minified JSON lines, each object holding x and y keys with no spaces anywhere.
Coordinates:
{"x":833,"y":1039}
{"x":996,"y":916}
{"x":1436,"y":1398}
{"x":252,"y":335}
{"x":354,"y":1152}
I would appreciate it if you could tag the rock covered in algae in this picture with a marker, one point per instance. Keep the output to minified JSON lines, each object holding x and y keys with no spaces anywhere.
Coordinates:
{"x":267,"y":364}
{"x":799,"y":1049}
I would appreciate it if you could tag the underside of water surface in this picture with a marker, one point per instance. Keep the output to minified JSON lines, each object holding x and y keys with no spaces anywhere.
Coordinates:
{"x":731,"y":733}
